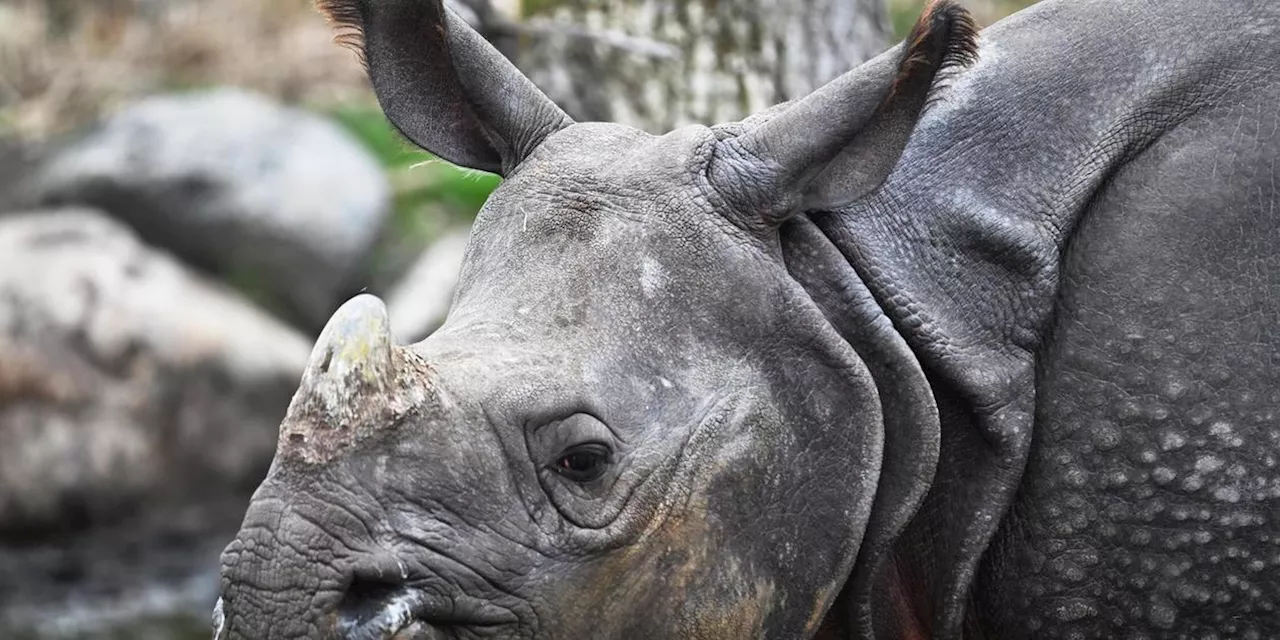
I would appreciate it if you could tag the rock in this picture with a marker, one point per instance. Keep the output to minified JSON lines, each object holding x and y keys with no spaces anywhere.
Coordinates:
{"x":139,"y":407}
{"x":127,"y":384}
{"x":237,"y":185}
{"x":16,"y":162}
{"x":418,"y":303}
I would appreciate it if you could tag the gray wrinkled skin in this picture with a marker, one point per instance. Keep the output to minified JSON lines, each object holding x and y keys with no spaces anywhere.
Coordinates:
{"x":1010,"y":377}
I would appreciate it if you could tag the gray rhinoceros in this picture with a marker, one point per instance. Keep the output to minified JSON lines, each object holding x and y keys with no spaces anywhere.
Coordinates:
{"x":981,"y":339}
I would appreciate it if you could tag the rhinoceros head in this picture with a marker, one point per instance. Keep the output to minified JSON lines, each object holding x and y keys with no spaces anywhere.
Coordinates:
{"x":634,"y":423}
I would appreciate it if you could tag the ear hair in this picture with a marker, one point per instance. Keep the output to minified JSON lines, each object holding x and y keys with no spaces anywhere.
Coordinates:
{"x":959,"y":48}
{"x":345,"y":19}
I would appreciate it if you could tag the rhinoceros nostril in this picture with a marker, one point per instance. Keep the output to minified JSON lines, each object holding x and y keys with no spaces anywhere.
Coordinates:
{"x":375,"y":611}
{"x":366,"y":603}
{"x":381,"y":611}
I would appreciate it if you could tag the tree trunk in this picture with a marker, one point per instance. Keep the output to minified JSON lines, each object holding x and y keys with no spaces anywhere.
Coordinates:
{"x":661,"y":64}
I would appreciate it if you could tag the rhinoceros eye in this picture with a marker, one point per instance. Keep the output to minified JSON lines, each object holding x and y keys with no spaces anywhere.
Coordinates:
{"x":583,"y":463}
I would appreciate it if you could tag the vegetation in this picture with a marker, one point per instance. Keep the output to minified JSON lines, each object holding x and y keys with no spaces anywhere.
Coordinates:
{"x":430,"y":195}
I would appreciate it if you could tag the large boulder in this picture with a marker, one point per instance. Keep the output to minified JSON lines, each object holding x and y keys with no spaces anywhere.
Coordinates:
{"x":126,"y":382}
{"x":139,"y":407}
{"x":235,"y":184}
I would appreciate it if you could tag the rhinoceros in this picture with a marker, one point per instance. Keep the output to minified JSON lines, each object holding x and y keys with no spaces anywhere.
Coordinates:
{"x":980,"y":339}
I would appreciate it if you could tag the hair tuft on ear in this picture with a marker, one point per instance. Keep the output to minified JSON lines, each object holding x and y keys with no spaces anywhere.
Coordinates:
{"x":962,"y":50}
{"x":944,"y":39}
{"x":346,"y":18}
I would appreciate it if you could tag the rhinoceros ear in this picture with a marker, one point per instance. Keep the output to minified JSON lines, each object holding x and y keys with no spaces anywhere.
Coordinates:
{"x":841,"y":142}
{"x":443,"y":85}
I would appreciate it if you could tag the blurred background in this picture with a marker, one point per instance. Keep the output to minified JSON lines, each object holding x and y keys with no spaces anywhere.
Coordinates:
{"x":188,"y":188}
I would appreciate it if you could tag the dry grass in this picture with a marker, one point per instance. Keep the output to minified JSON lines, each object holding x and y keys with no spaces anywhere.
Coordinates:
{"x":64,"y":61}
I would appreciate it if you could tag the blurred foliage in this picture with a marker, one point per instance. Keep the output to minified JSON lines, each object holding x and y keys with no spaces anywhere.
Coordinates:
{"x":63,"y":63}
{"x":430,"y":194}
{"x":417,"y":176}
{"x":903,"y":13}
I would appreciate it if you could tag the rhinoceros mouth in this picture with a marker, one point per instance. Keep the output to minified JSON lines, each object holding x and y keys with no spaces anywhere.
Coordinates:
{"x":406,"y":612}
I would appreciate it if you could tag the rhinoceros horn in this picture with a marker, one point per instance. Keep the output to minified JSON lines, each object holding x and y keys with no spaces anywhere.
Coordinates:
{"x":356,"y":384}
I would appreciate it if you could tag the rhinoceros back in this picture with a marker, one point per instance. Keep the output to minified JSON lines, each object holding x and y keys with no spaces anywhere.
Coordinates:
{"x":1150,"y":502}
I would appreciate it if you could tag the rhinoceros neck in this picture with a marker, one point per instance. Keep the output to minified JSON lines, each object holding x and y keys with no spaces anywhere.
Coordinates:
{"x":907,"y":406}
{"x":961,"y":247}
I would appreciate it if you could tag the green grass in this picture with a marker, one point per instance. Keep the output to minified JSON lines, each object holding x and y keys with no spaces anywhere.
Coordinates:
{"x":903,"y":13}
{"x":368,"y":125}
{"x":431,"y":196}
{"x":418,"y":177}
